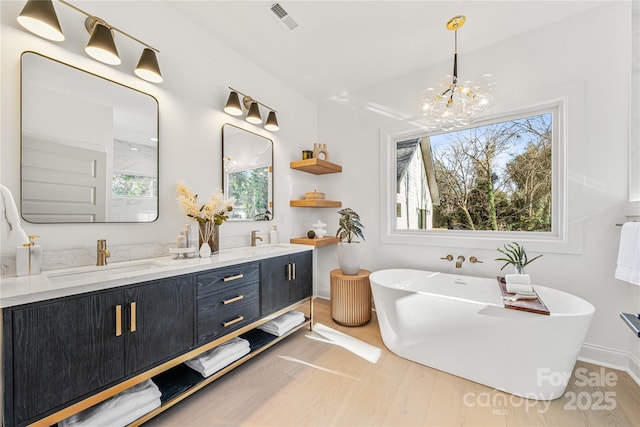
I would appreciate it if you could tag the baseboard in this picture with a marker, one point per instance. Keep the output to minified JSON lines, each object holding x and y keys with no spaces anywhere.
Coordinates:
{"x":611,"y":358}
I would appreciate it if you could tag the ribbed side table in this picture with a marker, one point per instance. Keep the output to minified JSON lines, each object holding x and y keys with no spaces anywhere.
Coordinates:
{"x":350,"y":298}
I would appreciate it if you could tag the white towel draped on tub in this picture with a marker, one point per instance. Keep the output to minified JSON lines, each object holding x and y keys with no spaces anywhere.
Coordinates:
{"x":283,"y":324}
{"x":628,"y":268}
{"x":210,"y":362}
{"x":119,"y":410}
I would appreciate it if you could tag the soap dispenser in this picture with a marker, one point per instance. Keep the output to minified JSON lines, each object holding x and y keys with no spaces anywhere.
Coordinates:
{"x":273,"y":235}
{"x":29,"y":258}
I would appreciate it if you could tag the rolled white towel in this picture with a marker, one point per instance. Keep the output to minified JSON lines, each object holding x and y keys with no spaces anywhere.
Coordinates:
{"x":518,"y":283}
{"x":213,"y":366}
{"x":284,"y":323}
{"x":213,"y":357}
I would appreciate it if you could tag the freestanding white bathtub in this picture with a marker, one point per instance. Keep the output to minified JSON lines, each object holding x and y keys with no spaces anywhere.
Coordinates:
{"x":459,"y":325}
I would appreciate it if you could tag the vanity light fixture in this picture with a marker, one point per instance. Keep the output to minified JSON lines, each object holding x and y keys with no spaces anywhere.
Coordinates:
{"x":453,"y":104}
{"x":39,"y":17}
{"x":233,"y":104}
{"x":253,"y":116}
{"x":272,"y":122}
{"x":101,"y":46}
{"x":234,"y":108}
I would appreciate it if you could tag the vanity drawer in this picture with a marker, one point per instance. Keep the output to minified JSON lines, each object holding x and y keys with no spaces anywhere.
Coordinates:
{"x":225,"y":311}
{"x":216,"y":280}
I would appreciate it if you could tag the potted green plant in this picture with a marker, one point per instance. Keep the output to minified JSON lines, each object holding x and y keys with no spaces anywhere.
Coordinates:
{"x":516,"y":256}
{"x":349,"y":231}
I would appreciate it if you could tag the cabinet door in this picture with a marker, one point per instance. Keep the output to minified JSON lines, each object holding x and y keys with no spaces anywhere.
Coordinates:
{"x":64,"y":350}
{"x":160,"y":321}
{"x":300,"y":287}
{"x":274,"y":284}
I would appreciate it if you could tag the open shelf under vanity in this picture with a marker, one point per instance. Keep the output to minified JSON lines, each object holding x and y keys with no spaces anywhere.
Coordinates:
{"x":179,"y":382}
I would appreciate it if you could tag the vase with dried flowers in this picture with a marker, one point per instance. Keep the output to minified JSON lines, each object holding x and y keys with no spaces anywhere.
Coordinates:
{"x":209,"y":216}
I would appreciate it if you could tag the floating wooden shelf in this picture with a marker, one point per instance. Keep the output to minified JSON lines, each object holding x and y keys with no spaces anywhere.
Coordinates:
{"x":316,"y":166}
{"x":318,"y":243}
{"x":315,"y":203}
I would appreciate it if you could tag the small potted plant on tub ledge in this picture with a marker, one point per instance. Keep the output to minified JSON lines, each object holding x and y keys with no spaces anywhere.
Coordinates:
{"x":348,"y":233}
{"x":515,"y":255}
{"x":519,"y":282}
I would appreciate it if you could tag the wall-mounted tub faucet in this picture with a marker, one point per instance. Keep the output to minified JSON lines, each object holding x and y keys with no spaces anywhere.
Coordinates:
{"x":459,"y":261}
{"x":448,"y":257}
{"x":103,"y":252}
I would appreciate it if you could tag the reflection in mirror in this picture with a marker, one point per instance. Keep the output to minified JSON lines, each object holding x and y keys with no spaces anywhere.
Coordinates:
{"x":247,"y":163}
{"x":89,"y":147}
{"x":496,"y":177}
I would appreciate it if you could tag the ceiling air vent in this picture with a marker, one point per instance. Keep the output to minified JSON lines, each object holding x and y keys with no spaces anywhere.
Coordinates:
{"x":283,"y":16}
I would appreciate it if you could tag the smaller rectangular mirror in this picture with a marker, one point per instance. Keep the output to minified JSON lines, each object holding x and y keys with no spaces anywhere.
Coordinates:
{"x":247,"y":168}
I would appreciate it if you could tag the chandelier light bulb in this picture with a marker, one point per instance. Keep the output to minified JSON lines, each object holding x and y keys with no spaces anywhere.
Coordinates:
{"x":452,"y":104}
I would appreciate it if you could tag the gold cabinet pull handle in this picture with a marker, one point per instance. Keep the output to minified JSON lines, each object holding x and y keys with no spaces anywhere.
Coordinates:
{"x":288,"y":271}
{"x":118,"y":320}
{"x":132,"y":306}
{"x":236,"y":277}
{"x":294,"y":271}
{"x":229,"y":301}
{"x":231,"y":322}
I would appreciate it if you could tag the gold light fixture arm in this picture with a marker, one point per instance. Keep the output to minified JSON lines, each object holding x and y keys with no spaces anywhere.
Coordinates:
{"x":91,"y":21}
{"x":247,"y":100}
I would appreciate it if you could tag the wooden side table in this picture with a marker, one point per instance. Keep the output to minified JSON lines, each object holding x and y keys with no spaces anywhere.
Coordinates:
{"x":350,"y":298}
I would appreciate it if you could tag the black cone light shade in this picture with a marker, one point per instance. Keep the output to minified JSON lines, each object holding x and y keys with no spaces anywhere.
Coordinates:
{"x":39,"y":17}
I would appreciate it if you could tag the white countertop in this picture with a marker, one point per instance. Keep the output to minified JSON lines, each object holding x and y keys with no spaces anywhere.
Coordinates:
{"x":72,"y":281}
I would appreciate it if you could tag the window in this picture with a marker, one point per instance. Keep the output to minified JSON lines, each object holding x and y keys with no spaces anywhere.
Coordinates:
{"x":491,"y":177}
{"x":500,"y":179}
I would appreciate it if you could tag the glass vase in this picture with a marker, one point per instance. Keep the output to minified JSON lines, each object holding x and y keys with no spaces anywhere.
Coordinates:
{"x":210,"y":231}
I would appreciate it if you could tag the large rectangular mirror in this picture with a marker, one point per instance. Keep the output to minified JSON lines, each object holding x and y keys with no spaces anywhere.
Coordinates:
{"x":89,"y":147}
{"x":247,"y":165}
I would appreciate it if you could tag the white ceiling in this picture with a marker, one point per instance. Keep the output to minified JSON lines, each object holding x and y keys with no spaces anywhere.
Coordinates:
{"x":342,"y":46}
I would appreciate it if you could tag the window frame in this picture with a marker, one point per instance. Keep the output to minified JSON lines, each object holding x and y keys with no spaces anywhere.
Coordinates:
{"x":557,"y":240}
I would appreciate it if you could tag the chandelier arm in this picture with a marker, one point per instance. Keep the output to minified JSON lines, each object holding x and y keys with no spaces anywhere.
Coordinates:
{"x":455,"y":59}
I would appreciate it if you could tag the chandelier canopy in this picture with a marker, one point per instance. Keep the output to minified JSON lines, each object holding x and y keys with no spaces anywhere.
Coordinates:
{"x":452,"y":104}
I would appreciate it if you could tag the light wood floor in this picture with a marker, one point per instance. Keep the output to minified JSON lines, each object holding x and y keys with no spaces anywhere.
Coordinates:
{"x":272,"y":391}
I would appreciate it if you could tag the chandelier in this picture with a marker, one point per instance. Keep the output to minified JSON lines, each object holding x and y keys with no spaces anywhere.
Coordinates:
{"x":452,"y":104}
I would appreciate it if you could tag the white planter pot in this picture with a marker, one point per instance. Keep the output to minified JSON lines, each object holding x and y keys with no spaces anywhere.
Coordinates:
{"x":349,"y":257}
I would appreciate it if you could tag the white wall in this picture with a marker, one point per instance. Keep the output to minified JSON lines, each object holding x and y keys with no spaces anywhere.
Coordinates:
{"x":585,"y":58}
{"x":197,"y":70}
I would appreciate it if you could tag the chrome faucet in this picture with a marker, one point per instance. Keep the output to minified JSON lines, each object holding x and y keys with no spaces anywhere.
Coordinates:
{"x":103,"y":252}
{"x":459,"y":261}
{"x":254,"y":237}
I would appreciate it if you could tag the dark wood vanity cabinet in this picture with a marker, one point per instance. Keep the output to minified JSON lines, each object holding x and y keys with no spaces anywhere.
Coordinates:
{"x":285,"y":280}
{"x":64,"y":349}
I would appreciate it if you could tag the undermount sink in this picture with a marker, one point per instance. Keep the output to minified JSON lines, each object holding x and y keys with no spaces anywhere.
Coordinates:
{"x":102,"y":272}
{"x":260,"y":249}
